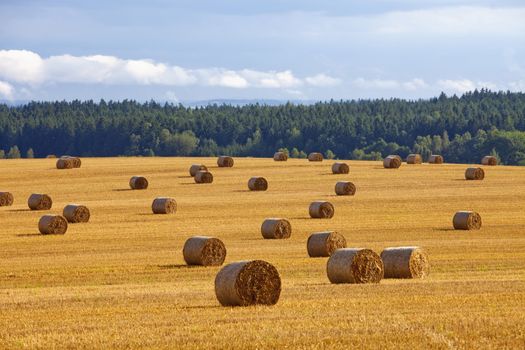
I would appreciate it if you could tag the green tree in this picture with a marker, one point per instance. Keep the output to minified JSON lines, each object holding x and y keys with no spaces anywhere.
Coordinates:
{"x":294,"y":153}
{"x":329,"y":154}
{"x":30,"y":153}
{"x":303,"y":154}
{"x":13,"y":153}
{"x":2,"y":154}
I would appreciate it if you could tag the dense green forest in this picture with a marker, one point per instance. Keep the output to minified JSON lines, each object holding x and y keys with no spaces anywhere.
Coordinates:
{"x":462,"y":129}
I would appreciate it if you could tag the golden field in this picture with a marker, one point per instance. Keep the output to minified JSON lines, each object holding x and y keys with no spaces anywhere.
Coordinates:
{"x":120,"y":281}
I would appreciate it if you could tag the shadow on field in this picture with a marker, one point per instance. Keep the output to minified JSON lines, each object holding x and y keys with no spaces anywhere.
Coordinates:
{"x":177,"y":266}
{"x":245,"y":191}
{"x":123,"y":189}
{"x":28,"y":235}
{"x":201,"y":307}
{"x":185,"y":177}
{"x":19,"y":210}
{"x":444,"y":229}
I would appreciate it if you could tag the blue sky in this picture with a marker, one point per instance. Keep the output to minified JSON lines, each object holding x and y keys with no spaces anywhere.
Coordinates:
{"x":311,"y":50}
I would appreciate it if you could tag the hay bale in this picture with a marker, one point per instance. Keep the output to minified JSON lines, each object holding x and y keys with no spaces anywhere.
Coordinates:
{"x":392,"y":162}
{"x":6,"y":199}
{"x":280,"y":157}
{"x":340,"y":168}
{"x":436,"y":159}
{"x":65,"y":163}
{"x":321,"y":210}
{"x":414,"y":159}
{"x":225,"y":162}
{"x":276,"y":228}
{"x":52,"y":225}
{"x":466,"y":220}
{"x":354,"y":265}
{"x":257,"y":183}
{"x":315,"y":157}
{"x":246,"y":283}
{"x":474,"y":174}
{"x":75,"y":213}
{"x":51,"y":156}
{"x":203,"y":177}
{"x":164,"y":205}
{"x":405,"y":262}
{"x":345,"y":188}
{"x":38,"y":201}
{"x":489,"y":160}
{"x":138,"y":183}
{"x":322,"y":244}
{"x":76,"y":161}
{"x":196,"y":168}
{"x":205,"y":251}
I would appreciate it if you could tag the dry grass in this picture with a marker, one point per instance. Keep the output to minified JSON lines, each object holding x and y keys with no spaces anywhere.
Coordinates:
{"x":120,"y":281}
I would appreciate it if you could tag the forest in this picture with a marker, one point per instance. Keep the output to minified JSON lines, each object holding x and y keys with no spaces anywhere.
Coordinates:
{"x":462,"y":129}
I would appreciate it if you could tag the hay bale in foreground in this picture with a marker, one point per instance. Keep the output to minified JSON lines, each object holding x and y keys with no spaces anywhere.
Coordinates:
{"x":466,"y":220}
{"x":205,"y":251}
{"x":38,"y":201}
{"x":489,"y":160}
{"x":405,"y":262}
{"x":392,"y":162}
{"x":225,"y":162}
{"x":246,"y":283}
{"x":138,"y":183}
{"x":280,"y":157}
{"x":164,"y":205}
{"x":75,"y":213}
{"x":257,"y":183}
{"x":195,"y":168}
{"x":203,"y":177}
{"x":322,"y":244}
{"x":474,"y":174}
{"x":354,"y":265}
{"x":345,"y":188}
{"x":52,"y":225}
{"x":65,"y":163}
{"x":340,"y":168}
{"x":436,"y":159}
{"x":6,"y":199}
{"x":276,"y":228}
{"x":414,"y":159}
{"x":321,"y":210}
{"x":315,"y":157}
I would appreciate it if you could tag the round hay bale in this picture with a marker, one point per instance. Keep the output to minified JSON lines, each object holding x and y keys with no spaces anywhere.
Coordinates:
{"x":276,"y":228}
{"x":345,"y":188}
{"x":489,"y":160}
{"x":315,"y":157}
{"x":246,"y":283}
{"x":138,"y":183}
{"x":196,"y":168}
{"x":414,"y":159}
{"x":322,"y":244}
{"x":203,"y":177}
{"x":466,"y":220}
{"x":205,"y":251}
{"x":77,"y":163}
{"x":65,"y":163}
{"x":405,"y":262}
{"x":164,"y":205}
{"x":6,"y":199}
{"x":280,"y":157}
{"x":50,"y":156}
{"x":392,"y":162}
{"x":340,"y":168}
{"x":39,"y":201}
{"x":225,"y":162}
{"x":474,"y":174}
{"x":52,"y":225}
{"x":75,"y":213}
{"x":436,"y":159}
{"x":257,"y":183}
{"x":354,"y":265}
{"x":321,"y":210}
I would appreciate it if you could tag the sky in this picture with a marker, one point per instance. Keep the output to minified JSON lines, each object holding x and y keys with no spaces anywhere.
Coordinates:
{"x":184,"y":50}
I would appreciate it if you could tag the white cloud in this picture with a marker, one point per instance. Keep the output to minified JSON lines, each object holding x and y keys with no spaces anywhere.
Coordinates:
{"x":389,"y":84}
{"x":322,"y":80}
{"x":464,"y":85}
{"x":6,"y":90}
{"x":517,"y":85}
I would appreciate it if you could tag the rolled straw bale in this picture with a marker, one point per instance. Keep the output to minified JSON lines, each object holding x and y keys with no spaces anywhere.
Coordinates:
{"x":164,"y":205}
{"x":52,"y":225}
{"x":340,"y":168}
{"x":257,"y":183}
{"x":345,"y":188}
{"x":205,"y":251}
{"x":315,"y":157}
{"x":489,"y":160}
{"x":392,"y":162}
{"x":246,"y":283}
{"x":414,"y":159}
{"x":405,"y":262}
{"x":76,"y":162}
{"x":197,"y":167}
{"x":321,"y":210}
{"x":75,"y":213}
{"x":38,"y":201}
{"x":280,"y":157}
{"x":474,"y":174}
{"x":354,"y":265}
{"x":276,"y":228}
{"x":225,"y":162}
{"x":203,"y":177}
{"x":65,"y":163}
{"x":138,"y":183}
{"x":436,"y":159}
{"x":321,"y":244}
{"x":466,"y":220}
{"x":6,"y":199}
